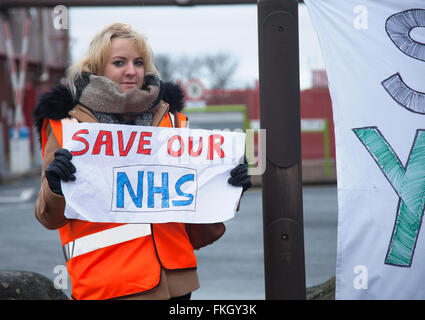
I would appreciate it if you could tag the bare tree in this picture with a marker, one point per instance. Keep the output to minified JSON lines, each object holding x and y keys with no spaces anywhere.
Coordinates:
{"x":189,"y":67}
{"x":166,"y":67}
{"x":219,"y":69}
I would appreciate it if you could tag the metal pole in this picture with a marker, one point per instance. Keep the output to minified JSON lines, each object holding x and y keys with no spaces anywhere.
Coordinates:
{"x":280,"y":116}
{"x":140,"y":3}
{"x":98,"y":3}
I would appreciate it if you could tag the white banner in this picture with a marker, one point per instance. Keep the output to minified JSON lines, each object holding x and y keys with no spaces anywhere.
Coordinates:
{"x":374,"y":53}
{"x":135,"y":174}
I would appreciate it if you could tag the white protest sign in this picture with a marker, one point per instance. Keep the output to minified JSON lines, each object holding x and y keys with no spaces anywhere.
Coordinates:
{"x":374,"y":53}
{"x":136,"y":174}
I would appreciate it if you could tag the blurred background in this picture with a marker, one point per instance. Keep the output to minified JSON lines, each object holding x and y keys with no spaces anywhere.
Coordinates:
{"x":212,"y":52}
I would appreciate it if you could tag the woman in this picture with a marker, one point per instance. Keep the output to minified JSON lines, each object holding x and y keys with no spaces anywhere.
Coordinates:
{"x":116,"y":82}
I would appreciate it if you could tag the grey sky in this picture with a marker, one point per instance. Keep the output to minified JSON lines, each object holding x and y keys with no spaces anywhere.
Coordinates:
{"x":194,"y":31}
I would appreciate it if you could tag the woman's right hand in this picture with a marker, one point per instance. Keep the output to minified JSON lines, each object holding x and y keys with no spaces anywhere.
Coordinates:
{"x":61,"y":168}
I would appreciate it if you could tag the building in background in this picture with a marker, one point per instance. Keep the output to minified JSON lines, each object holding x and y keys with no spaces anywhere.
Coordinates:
{"x":317,"y":138}
{"x":47,"y":59}
{"x":317,"y":131}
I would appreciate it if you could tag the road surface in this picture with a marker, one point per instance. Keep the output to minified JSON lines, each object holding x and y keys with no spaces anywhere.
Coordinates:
{"x":232,"y":268}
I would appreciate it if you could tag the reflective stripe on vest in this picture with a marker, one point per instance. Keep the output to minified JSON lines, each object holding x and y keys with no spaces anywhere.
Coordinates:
{"x":105,"y":238}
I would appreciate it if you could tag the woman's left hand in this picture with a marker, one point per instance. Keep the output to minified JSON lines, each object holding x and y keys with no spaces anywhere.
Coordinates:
{"x":239,"y":177}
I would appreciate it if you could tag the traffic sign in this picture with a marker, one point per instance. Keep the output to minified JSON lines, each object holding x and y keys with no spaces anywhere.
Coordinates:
{"x":195,"y":90}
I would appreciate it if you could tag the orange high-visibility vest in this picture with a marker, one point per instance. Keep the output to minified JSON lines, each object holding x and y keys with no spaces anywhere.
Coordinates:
{"x":109,"y":260}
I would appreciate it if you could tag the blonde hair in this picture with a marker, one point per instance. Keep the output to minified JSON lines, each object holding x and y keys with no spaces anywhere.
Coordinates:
{"x":99,"y":50}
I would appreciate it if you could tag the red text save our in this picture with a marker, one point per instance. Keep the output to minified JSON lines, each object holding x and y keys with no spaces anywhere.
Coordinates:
{"x":176,"y":144}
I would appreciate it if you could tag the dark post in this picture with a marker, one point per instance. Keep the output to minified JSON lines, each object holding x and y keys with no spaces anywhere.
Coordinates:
{"x":280,"y":116}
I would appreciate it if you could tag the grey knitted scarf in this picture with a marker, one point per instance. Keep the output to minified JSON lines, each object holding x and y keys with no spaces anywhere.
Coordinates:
{"x":108,"y":103}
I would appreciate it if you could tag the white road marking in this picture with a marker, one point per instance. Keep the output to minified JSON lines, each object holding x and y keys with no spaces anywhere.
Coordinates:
{"x":25,"y":195}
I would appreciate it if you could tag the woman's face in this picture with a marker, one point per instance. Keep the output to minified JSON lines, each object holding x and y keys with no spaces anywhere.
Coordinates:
{"x":125,"y":65}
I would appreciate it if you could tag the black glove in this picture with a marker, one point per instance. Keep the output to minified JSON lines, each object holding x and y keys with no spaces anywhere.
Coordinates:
{"x":61,"y":168}
{"x":239,"y":176}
